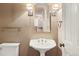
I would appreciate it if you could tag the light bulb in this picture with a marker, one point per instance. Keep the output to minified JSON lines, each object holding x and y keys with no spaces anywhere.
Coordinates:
{"x":55,"y":6}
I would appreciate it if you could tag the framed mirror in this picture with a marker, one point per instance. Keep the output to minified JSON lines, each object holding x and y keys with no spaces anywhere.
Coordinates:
{"x":42,"y":18}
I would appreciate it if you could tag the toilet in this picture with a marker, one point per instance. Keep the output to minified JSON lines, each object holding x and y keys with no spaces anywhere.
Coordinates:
{"x":9,"y":49}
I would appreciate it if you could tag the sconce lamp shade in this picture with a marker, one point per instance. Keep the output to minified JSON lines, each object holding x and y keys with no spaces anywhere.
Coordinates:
{"x":29,"y":8}
{"x":56,"y":6}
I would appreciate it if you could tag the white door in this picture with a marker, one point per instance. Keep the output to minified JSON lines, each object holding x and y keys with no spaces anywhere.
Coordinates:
{"x":71,"y":29}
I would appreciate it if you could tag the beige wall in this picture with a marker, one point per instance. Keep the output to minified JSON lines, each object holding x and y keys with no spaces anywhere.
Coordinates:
{"x":15,"y":15}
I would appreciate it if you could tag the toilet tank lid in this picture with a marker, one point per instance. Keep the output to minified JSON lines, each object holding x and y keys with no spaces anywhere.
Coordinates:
{"x":10,"y":44}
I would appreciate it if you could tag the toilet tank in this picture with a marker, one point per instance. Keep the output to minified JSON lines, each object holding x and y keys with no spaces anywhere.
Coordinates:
{"x":9,"y":49}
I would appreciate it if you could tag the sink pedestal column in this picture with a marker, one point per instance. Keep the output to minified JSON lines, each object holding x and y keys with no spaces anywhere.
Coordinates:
{"x":42,"y":53}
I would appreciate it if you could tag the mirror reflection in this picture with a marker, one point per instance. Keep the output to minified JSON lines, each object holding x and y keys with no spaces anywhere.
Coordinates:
{"x":42,"y":20}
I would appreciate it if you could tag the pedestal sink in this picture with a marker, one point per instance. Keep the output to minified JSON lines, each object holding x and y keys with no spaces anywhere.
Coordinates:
{"x":42,"y":45}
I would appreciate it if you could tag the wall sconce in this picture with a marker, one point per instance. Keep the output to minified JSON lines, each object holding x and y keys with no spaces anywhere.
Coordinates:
{"x":30,"y":9}
{"x":55,"y":10}
{"x":55,"y":7}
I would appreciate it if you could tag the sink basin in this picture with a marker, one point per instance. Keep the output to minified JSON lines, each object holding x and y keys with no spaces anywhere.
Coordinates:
{"x":42,"y":45}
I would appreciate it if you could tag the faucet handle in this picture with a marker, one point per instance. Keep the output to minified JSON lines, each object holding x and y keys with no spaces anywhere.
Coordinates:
{"x":38,"y":40}
{"x":42,"y":40}
{"x":45,"y":41}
